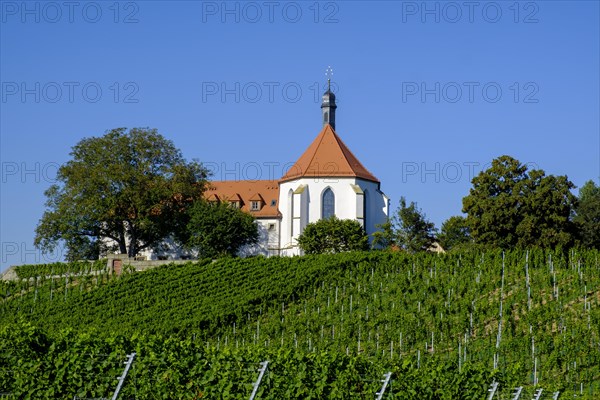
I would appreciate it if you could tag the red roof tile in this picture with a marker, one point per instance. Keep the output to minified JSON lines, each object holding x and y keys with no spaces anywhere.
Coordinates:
{"x":328,"y":156}
{"x":247,"y":191}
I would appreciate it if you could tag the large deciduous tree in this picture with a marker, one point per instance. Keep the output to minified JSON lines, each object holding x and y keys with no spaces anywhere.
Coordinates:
{"x":587,"y":215}
{"x":510,"y":205}
{"x":218,"y":229}
{"x":125,"y":191}
{"x":333,"y":235}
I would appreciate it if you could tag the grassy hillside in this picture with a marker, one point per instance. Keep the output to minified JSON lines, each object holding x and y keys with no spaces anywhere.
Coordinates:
{"x":435,"y":314}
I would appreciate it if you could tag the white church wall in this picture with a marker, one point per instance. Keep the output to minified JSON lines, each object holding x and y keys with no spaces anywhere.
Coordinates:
{"x":376,"y":205}
{"x":307,"y":205}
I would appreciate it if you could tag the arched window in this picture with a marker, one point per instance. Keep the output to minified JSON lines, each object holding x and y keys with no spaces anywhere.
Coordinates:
{"x":328,"y":204}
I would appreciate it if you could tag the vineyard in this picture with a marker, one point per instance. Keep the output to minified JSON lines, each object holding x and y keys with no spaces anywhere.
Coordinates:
{"x":331,"y":326}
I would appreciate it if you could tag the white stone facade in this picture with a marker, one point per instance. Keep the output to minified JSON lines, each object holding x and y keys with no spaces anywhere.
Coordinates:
{"x":301,"y":203}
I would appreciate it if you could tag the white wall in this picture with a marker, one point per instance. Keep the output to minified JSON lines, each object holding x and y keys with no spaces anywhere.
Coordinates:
{"x":307,"y":205}
{"x":268,"y":239}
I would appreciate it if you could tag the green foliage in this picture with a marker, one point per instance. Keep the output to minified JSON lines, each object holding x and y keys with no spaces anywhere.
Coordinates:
{"x":384,"y":237}
{"x":82,"y":365}
{"x":333,"y":235}
{"x":128,"y":186}
{"x":59,"y":268}
{"x":217,"y":229}
{"x":329,"y":324}
{"x":588,"y":215}
{"x":454,"y":233}
{"x":510,"y":206}
{"x":408,"y":229}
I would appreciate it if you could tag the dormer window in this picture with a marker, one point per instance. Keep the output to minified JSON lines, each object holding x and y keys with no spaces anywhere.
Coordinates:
{"x":255,"y":205}
{"x":235,"y":204}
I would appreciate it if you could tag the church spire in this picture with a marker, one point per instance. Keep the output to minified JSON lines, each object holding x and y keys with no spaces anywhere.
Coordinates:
{"x":328,"y":106}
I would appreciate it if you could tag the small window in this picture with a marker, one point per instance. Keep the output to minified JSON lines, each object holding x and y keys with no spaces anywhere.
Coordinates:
{"x":273,"y":203}
{"x":271,"y":227}
{"x":235,"y":204}
{"x":255,"y":205}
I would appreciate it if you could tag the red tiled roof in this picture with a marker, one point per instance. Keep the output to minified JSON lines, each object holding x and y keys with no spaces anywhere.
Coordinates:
{"x":247,"y":191}
{"x":328,"y":156}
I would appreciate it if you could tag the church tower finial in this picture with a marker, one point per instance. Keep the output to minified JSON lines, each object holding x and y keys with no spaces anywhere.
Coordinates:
{"x":328,"y":106}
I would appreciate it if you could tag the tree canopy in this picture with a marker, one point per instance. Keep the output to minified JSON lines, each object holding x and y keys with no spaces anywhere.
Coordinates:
{"x":408,"y":229}
{"x":454,"y":233}
{"x":216,"y":229}
{"x":510,"y":205}
{"x":333,"y":235}
{"x":125,"y":191}
{"x":588,"y":215}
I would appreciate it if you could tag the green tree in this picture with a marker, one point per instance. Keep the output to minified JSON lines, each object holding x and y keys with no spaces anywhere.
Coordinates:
{"x":454,"y":233}
{"x":413,"y":231}
{"x":587,"y":215}
{"x":408,"y":229}
{"x":216,"y":229}
{"x":385,"y":237}
{"x":125,"y":191}
{"x":510,"y":206}
{"x":333,"y":235}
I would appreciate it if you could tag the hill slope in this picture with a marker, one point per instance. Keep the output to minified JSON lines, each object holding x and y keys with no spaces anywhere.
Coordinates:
{"x":428,"y":310}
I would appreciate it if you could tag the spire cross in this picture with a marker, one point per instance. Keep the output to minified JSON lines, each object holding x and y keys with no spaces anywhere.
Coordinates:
{"x":329,"y":74}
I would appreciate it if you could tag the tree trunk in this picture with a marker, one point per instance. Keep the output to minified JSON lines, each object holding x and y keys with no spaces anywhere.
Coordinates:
{"x":122,"y":243}
{"x":132,"y":243}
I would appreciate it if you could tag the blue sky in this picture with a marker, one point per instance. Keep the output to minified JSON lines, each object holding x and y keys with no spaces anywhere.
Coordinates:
{"x":428,"y":92}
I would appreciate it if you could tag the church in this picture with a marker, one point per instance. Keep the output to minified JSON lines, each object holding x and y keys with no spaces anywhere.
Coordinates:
{"x":327,"y":180}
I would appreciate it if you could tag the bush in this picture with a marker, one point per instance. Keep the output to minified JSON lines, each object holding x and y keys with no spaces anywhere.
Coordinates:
{"x":333,"y":235}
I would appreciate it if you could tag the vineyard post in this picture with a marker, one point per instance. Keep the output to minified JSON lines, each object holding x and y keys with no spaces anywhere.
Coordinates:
{"x":257,"y":330}
{"x":517,"y":393}
{"x":385,"y":381}
{"x":492,"y":390}
{"x":534,"y":360}
{"x":121,"y":379}
{"x":499,"y":337}
{"x":256,"y":384}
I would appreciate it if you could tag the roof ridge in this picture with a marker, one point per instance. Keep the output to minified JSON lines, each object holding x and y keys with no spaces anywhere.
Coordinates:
{"x":322,"y":134}
{"x":345,"y":148}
